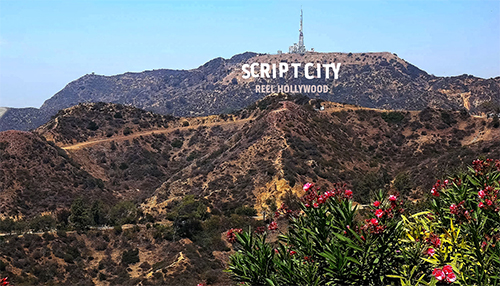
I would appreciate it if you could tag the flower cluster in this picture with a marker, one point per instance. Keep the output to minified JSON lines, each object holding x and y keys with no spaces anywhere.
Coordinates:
{"x":4,"y":282}
{"x":395,"y":206}
{"x":260,"y":230}
{"x":446,"y":274}
{"x":439,"y":186}
{"x":383,"y":210}
{"x":313,"y":199}
{"x":272,"y":226}
{"x":308,"y":259}
{"x":430,"y":251}
{"x":460,"y":211}
{"x":372,"y":225}
{"x":443,"y":242}
{"x":491,"y":240}
{"x":285,"y":211}
{"x":488,"y":197}
{"x":433,"y":240}
{"x":231,"y":234}
{"x":480,"y":166}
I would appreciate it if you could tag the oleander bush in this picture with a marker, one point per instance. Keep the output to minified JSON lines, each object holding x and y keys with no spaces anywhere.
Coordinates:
{"x":332,"y":241}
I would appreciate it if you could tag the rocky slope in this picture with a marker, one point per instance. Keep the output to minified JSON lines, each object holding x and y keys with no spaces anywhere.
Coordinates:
{"x":377,"y":80}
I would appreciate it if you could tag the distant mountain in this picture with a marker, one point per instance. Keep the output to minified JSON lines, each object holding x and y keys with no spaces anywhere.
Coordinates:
{"x":376,"y":80}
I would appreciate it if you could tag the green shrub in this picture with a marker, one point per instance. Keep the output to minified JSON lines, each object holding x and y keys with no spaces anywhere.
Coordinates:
{"x":177,"y":143}
{"x":448,"y":118}
{"x":330,"y":242}
{"x":193,"y":155}
{"x":130,"y":257}
{"x":80,"y":216}
{"x":123,"y":213}
{"x":92,"y":126}
{"x":393,"y":117}
{"x":127,"y":131}
{"x":42,"y":223}
{"x":245,"y":210}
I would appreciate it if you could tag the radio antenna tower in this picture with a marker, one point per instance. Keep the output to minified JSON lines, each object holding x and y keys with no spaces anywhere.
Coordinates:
{"x":301,"y":35}
{"x":299,"y":48}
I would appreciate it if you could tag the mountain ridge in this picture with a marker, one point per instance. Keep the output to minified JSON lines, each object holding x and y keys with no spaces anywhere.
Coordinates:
{"x":249,"y":156}
{"x":376,"y":80}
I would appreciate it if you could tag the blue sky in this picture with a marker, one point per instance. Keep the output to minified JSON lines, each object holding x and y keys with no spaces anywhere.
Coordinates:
{"x":46,"y":44}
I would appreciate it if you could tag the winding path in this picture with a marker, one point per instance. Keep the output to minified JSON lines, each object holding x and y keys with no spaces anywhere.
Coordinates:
{"x":148,"y":132}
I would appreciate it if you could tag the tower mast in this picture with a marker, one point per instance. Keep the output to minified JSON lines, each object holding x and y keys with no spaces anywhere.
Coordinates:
{"x":299,"y":48}
{"x":302,"y":48}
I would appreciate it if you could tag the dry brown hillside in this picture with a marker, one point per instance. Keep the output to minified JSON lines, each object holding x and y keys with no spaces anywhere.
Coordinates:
{"x":183,"y":182}
{"x":36,"y":176}
{"x":263,"y":152}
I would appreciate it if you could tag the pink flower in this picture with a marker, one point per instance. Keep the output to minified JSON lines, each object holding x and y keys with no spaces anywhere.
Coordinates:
{"x":437,"y":242}
{"x":447,"y":269}
{"x":276,"y":251}
{"x":307,"y":205}
{"x":489,"y":202}
{"x":431,"y":251}
{"x":315,"y":205}
{"x":434,"y":192}
{"x":292,"y":252}
{"x":379,"y":213}
{"x":481,"y":205}
{"x":392,"y":198}
{"x":231,"y":234}
{"x":438,"y":273}
{"x":374,"y":221}
{"x":446,"y":182}
{"x":481,"y":194}
{"x":453,"y":208}
{"x":376,"y":204}
{"x":307,"y":186}
{"x":348,"y":193}
{"x":451,"y":277}
{"x":272,"y":226}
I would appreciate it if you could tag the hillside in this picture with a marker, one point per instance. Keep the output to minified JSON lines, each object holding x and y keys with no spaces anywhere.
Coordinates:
{"x":266,"y":150}
{"x":172,"y":186}
{"x":248,"y":157}
{"x":36,"y":176}
{"x":376,"y":80}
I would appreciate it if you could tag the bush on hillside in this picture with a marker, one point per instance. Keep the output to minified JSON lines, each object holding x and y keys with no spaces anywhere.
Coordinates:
{"x":331,"y":242}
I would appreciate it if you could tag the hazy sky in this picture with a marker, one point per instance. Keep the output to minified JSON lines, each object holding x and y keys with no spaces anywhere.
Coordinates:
{"x":46,"y":44}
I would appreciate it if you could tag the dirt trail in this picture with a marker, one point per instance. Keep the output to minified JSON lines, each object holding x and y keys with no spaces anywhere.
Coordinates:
{"x":148,"y":132}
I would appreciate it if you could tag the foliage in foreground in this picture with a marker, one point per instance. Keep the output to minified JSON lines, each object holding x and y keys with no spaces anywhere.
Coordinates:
{"x":455,"y":241}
